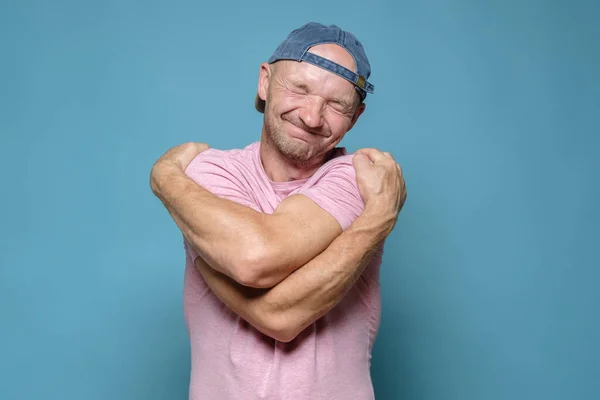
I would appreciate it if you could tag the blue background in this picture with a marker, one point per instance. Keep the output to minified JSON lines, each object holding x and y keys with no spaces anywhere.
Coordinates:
{"x":490,"y":281}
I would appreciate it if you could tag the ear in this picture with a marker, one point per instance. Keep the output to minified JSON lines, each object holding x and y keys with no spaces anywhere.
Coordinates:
{"x":359,"y":110}
{"x":263,"y":80}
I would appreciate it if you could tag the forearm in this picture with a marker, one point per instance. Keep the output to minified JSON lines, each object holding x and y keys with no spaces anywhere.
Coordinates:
{"x":310,"y":291}
{"x":226,"y":234}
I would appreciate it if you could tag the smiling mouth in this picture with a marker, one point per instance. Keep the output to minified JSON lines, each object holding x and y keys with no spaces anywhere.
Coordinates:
{"x":305,"y":131}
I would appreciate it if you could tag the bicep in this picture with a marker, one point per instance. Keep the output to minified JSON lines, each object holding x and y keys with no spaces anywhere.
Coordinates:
{"x":301,"y":229}
{"x":308,"y":222}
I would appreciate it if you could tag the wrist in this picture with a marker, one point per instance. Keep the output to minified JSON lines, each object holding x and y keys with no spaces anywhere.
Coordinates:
{"x":376,"y":221}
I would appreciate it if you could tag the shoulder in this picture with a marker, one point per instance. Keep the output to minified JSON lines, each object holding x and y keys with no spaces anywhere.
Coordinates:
{"x":219,"y":156}
{"x":222,"y":172}
{"x":338,"y":170}
{"x":213,"y":160}
{"x":334,"y":188}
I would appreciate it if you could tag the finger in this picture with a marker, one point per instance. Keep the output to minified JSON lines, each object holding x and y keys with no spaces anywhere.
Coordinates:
{"x":373,"y":154}
{"x":361,"y":161}
{"x":388,"y":155}
{"x":185,"y":153}
{"x":192,"y":149}
{"x":202,"y":147}
{"x":399,"y":168}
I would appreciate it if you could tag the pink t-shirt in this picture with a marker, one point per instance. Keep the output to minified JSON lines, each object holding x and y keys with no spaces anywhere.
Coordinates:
{"x":330,"y":359}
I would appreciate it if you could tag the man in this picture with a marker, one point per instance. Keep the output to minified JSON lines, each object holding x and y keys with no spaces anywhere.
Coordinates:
{"x":284,"y":237}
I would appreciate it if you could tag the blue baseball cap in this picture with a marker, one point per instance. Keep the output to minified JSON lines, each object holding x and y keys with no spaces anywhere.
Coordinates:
{"x":296,"y":47}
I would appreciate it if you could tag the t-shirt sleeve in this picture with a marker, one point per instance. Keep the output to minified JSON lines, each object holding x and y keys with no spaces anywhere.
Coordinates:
{"x":335,"y":190}
{"x":211,"y":170}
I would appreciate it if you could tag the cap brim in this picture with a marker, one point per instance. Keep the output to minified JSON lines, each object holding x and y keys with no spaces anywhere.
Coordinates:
{"x":259,"y":104}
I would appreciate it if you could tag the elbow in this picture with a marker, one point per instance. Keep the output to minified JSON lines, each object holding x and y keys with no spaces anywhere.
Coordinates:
{"x":279,"y":328}
{"x":286,"y":336}
{"x":256,"y":268}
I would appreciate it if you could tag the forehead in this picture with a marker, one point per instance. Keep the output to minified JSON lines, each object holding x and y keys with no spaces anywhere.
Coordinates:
{"x":318,"y":79}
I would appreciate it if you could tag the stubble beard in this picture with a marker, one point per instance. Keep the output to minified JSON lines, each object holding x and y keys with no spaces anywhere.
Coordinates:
{"x":297,"y":152}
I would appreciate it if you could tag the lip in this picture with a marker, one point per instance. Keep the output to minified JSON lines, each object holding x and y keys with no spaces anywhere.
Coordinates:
{"x":304,"y":133}
{"x":301,"y":134}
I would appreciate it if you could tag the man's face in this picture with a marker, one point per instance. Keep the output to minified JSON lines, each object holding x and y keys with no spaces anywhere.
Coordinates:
{"x":308,"y":109}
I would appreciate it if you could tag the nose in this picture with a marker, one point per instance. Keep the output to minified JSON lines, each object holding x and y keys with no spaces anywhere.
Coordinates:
{"x":312,"y":113}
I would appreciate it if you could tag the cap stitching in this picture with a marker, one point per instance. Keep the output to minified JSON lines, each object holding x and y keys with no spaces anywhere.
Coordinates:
{"x":317,"y":42}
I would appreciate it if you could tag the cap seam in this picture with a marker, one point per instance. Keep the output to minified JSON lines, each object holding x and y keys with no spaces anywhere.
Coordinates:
{"x":310,"y":44}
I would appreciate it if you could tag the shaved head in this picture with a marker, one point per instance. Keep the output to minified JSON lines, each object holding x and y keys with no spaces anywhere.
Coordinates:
{"x":308,"y":109}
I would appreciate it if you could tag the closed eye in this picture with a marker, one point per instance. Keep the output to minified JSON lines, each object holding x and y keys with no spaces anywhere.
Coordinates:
{"x":301,"y":88}
{"x":340,"y":107}
{"x":298,"y":87}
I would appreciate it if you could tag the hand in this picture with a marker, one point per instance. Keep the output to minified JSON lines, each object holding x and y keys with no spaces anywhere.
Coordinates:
{"x":178,"y":157}
{"x":381,"y":184}
{"x":182,"y":155}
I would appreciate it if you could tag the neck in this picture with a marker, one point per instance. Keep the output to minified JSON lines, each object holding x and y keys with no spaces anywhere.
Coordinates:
{"x":279,"y":168}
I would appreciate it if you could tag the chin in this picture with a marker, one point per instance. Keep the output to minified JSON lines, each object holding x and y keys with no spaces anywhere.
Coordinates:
{"x":297,"y":151}
{"x":290,"y":143}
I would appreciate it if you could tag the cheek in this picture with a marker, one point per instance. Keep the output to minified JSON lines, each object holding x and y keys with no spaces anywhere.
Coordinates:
{"x":291,"y":104}
{"x":338,"y":126}
{"x":284,"y":101}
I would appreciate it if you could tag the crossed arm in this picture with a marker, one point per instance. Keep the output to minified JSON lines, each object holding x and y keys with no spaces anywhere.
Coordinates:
{"x":255,"y":249}
{"x":308,"y":293}
{"x":252,"y":260}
